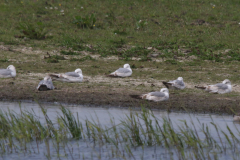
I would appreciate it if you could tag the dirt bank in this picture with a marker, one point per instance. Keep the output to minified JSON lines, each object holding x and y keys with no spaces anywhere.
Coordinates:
{"x":117,"y":96}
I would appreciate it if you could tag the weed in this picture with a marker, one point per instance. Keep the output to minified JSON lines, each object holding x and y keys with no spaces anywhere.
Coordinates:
{"x":110,"y":18}
{"x":83,"y":59}
{"x":118,"y":43}
{"x":120,"y":32}
{"x":69,"y":53}
{"x":3,"y":60}
{"x":141,"y":24}
{"x":33,"y":31}
{"x":54,"y":59}
{"x":71,"y":123}
{"x":24,"y":131}
{"x":174,"y":62}
{"x":87,"y":22}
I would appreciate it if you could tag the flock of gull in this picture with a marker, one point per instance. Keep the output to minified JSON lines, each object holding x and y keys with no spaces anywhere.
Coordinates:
{"x":126,"y":71}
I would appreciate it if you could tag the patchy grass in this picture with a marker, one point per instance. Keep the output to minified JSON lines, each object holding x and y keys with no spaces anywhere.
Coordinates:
{"x":209,"y":30}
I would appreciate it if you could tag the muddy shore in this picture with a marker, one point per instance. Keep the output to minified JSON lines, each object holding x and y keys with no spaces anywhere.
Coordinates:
{"x":120,"y":97}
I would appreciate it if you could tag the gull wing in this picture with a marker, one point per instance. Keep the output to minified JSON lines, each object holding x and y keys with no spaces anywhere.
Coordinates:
{"x":72,"y":74}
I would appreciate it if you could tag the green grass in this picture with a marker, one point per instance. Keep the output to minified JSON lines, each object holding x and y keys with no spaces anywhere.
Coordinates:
{"x":206,"y":28}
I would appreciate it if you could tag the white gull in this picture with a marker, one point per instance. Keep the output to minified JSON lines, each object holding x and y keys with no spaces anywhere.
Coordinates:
{"x":75,"y":76}
{"x":175,"y":84}
{"x":126,"y":71}
{"x":236,"y":118}
{"x":10,"y":72}
{"x":45,"y":84}
{"x":163,"y":95}
{"x":221,"y":88}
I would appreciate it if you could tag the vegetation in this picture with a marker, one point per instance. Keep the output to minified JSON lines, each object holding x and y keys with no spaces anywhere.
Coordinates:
{"x":20,"y":132}
{"x":208,"y":30}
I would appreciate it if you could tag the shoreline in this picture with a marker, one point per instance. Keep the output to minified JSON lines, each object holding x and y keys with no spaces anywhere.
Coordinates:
{"x":178,"y":102}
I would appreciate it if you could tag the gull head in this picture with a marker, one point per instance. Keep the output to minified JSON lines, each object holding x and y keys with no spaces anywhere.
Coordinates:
{"x":11,"y":67}
{"x":180,"y":78}
{"x":47,"y":78}
{"x":226,"y":81}
{"x":126,"y":66}
{"x":164,"y":90}
{"x":79,"y":71}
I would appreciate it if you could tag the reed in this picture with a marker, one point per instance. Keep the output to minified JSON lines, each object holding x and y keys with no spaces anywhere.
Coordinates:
{"x":25,"y":131}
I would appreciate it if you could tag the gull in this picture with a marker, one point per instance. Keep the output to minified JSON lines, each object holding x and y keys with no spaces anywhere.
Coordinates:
{"x":75,"y":76}
{"x":220,"y":88}
{"x":126,"y":71}
{"x":163,"y":95}
{"x":175,"y":84}
{"x":236,"y":117}
{"x":10,"y":72}
{"x":45,"y":84}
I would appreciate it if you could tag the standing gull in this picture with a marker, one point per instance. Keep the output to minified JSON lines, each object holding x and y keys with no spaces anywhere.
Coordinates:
{"x":126,"y":71}
{"x":175,"y":84}
{"x":75,"y":76}
{"x":163,"y":95}
{"x":221,"y":88}
{"x":45,"y":84}
{"x":10,"y":72}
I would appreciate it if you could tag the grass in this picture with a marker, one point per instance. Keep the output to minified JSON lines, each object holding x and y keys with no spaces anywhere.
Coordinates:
{"x":205,"y":28}
{"x":138,"y":129}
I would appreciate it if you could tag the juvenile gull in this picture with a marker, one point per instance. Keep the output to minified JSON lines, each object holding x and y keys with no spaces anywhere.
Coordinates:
{"x":126,"y":71}
{"x":10,"y":72}
{"x":221,"y":88}
{"x":175,"y":84}
{"x":75,"y":76}
{"x":163,"y":95}
{"x":45,"y":84}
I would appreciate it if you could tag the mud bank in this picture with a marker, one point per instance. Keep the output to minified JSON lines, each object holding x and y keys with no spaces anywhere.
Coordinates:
{"x":120,"y":97}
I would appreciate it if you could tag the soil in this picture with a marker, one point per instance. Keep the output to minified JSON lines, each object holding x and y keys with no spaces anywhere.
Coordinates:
{"x":116,"y":96}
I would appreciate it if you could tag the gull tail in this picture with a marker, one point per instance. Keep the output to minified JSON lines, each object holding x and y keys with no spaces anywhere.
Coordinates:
{"x":54,"y":76}
{"x":200,"y":87}
{"x":168,"y":85}
{"x":112,"y":76}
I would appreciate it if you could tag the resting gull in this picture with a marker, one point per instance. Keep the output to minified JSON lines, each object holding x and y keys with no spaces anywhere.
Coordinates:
{"x":175,"y":84}
{"x":236,"y":117}
{"x":126,"y":71}
{"x":163,"y":95}
{"x":10,"y":72}
{"x":221,"y":88}
{"x":45,"y":84}
{"x":75,"y":76}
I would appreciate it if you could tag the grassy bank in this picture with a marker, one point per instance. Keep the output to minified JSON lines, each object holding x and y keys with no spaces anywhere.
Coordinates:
{"x":161,"y":40}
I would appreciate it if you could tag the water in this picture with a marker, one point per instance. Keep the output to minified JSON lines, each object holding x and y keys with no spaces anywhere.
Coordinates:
{"x":84,"y":149}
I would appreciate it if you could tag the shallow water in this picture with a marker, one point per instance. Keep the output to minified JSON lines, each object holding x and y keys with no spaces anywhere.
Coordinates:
{"x":82,"y":149}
